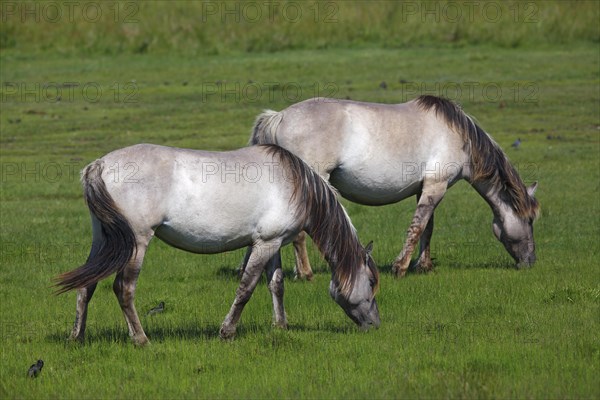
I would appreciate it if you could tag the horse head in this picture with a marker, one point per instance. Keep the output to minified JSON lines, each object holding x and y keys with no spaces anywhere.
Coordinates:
{"x":358,"y":300}
{"x":516,"y":233}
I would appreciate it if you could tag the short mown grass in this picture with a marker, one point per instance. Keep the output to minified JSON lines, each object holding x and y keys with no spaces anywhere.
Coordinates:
{"x":475,"y":328}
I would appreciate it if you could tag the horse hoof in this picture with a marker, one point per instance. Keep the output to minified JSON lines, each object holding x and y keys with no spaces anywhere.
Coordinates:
{"x":280,"y":325}
{"x":75,"y":341}
{"x":399,"y":274}
{"x":398,"y":271}
{"x":423,"y":268}
{"x":140,"y":341}
{"x":303,"y":277}
{"x":74,"y":338}
{"x":226,"y":333}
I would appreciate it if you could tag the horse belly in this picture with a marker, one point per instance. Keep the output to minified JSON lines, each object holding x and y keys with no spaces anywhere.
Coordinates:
{"x":364,"y":187}
{"x":221,"y":216}
{"x":202,"y":239}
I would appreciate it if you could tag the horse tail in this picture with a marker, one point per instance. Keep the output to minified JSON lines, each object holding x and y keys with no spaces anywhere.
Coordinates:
{"x":117,"y":244}
{"x":265,"y":127}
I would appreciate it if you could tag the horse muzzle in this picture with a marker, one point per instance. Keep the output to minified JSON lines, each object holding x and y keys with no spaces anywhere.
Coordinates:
{"x":372,"y":319}
{"x":526,"y":261}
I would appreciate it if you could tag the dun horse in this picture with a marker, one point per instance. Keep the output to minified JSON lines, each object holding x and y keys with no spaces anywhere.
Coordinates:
{"x":377,"y":154}
{"x":205,"y":202}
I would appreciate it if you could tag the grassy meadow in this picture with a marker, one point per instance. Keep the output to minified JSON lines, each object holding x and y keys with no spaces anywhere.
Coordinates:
{"x":474,"y":328}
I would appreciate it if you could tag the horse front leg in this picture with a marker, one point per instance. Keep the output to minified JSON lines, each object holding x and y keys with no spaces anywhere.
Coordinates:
{"x":275,"y":283}
{"x":260,"y":255}
{"x":430,"y":198}
{"x":84,"y":295}
{"x":424,"y":263}
{"x":124,"y":288}
{"x":242,"y":267}
{"x":302,"y":269}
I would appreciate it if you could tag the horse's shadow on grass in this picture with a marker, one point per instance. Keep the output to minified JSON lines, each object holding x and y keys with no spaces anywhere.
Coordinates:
{"x":233,"y":273}
{"x":386,"y":269}
{"x":194,"y":332}
{"x":118,"y":334}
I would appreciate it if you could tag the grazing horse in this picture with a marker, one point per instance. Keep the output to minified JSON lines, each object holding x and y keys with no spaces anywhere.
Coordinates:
{"x":211,"y":202}
{"x":377,"y":154}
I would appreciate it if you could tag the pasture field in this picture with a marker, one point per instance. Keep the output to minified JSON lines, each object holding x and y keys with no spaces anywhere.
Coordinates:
{"x":474,"y":328}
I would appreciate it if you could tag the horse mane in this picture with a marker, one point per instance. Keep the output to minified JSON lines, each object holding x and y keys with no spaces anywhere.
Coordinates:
{"x":490,"y":163}
{"x":325,"y":219}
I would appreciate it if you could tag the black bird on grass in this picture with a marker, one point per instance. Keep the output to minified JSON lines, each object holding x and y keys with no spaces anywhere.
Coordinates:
{"x":516,"y":143}
{"x":158,"y":309}
{"x":35,"y":369}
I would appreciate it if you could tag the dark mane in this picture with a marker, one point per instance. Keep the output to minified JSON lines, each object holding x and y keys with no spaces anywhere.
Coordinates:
{"x":490,"y":164}
{"x":325,"y":219}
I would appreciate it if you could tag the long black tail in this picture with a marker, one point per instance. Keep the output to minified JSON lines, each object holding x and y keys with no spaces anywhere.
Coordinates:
{"x":118,"y":244}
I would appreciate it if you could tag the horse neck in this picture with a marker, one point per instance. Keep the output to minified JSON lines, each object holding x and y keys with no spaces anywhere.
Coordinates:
{"x":494,"y":197}
{"x":337,"y":240}
{"x":334,"y":235}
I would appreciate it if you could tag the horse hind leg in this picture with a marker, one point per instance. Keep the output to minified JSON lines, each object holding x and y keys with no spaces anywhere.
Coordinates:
{"x":275,"y":283}
{"x":84,"y":295}
{"x":302,"y":269}
{"x":124,"y":288}
{"x":431,"y":196}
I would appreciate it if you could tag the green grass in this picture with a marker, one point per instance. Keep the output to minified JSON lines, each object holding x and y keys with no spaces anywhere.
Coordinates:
{"x":475,"y":328}
{"x":221,"y":27}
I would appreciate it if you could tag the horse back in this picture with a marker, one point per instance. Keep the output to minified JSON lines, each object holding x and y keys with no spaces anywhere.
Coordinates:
{"x":220,"y":197}
{"x":373,"y":153}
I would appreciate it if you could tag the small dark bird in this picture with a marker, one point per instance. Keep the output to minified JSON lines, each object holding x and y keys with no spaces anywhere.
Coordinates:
{"x":516,"y":143}
{"x":158,"y":309}
{"x":35,"y":369}
{"x":383,"y":85}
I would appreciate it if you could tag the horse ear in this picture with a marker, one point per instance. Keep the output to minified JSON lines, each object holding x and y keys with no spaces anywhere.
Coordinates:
{"x":531,"y":189}
{"x":369,"y":248}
